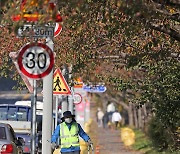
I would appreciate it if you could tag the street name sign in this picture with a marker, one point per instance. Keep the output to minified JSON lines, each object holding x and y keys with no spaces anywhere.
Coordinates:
{"x":35,"y":60}
{"x":35,"y":31}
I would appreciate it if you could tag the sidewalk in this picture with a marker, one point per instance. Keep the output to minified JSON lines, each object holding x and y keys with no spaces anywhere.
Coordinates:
{"x":108,"y":141}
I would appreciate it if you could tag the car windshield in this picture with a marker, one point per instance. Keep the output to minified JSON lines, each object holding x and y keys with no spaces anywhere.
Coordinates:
{"x":2,"y":133}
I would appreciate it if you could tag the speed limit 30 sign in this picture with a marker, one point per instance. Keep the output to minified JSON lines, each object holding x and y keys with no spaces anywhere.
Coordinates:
{"x":35,"y":60}
{"x":77,"y":98}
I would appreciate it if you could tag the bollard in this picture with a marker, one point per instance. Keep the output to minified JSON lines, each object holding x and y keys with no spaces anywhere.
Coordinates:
{"x":97,"y":149}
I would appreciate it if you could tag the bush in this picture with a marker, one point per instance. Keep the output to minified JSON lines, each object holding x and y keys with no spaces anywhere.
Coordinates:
{"x":162,"y":138}
{"x":142,"y":142}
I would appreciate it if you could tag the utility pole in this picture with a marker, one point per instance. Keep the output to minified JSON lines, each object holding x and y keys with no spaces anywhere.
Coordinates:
{"x":47,"y":107}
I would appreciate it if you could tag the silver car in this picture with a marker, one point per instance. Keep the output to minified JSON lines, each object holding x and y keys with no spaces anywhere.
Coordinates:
{"x":8,"y":141}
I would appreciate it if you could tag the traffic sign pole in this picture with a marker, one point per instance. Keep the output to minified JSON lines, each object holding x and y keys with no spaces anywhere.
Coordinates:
{"x":56,"y":118}
{"x":33,"y":121}
{"x":47,"y":108}
{"x":71,"y":101}
{"x":65,"y":98}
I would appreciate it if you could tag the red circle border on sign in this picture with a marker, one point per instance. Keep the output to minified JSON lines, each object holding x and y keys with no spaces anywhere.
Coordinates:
{"x":80,"y":96}
{"x":23,"y":70}
{"x":59,"y":29}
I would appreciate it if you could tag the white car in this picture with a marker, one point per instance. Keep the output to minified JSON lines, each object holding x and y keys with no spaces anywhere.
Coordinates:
{"x":9,"y":144}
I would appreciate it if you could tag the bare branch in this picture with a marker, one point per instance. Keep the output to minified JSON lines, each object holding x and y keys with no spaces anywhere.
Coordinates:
{"x":174,"y":34}
{"x":168,"y":2}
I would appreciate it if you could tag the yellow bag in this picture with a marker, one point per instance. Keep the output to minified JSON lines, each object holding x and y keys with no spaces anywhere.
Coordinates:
{"x":57,"y":151}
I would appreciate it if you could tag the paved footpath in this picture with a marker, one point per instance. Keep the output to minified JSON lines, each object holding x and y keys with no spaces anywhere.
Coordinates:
{"x":108,"y":141}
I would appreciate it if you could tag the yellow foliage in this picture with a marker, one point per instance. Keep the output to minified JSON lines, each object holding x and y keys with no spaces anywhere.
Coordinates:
{"x":127,"y":136}
{"x":171,"y":11}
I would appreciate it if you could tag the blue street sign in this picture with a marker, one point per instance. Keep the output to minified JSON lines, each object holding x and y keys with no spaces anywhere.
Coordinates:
{"x":94,"y":88}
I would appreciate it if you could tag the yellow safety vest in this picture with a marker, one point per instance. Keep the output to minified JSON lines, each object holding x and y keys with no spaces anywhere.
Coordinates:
{"x":69,"y":137}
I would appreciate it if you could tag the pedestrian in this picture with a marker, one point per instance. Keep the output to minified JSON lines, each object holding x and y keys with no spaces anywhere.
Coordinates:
{"x":100,"y":115}
{"x":105,"y":120}
{"x":68,"y":131}
{"x":116,"y":118}
{"x":110,"y":107}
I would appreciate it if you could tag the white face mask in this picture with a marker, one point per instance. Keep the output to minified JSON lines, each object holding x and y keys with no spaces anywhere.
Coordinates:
{"x":68,"y":120}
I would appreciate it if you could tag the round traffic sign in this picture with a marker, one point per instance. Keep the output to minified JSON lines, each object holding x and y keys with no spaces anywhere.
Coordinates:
{"x":77,"y":98}
{"x":57,"y":30}
{"x":35,"y":60}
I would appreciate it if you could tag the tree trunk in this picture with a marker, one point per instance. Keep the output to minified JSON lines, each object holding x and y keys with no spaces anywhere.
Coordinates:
{"x":140,"y":118}
{"x":145,"y":115}
{"x":130,"y":115}
{"x":135,"y":116}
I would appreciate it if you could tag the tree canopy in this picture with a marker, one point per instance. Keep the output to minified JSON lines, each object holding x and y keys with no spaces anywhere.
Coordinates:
{"x":126,"y":44}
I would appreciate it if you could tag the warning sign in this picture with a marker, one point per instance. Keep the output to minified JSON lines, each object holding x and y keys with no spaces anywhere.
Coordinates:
{"x":59,"y":84}
{"x":78,"y":83}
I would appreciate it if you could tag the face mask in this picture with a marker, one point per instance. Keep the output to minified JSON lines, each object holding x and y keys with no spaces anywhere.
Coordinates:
{"x":68,"y":120}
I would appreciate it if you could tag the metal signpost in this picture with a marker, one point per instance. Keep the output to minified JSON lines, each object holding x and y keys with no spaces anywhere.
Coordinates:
{"x":60,"y":87}
{"x":47,"y":107}
{"x":35,"y":60}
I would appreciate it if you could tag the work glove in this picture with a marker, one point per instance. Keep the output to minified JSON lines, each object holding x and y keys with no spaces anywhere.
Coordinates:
{"x":53,"y":145}
{"x":90,"y":144}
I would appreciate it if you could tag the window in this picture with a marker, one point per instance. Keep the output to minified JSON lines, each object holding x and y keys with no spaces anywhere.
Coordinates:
{"x":15,"y":113}
{"x":3,"y":113}
{"x":2,"y":133}
{"x":12,"y":112}
{"x":22,"y":114}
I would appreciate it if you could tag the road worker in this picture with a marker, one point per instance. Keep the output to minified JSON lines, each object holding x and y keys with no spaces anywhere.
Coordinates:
{"x":68,"y":131}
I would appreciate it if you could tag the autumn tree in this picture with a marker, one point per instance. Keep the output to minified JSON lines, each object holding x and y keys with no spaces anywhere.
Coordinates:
{"x":132,"y":46}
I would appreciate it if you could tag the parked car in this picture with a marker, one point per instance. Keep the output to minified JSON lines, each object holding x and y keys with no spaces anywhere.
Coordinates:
{"x":19,"y":117}
{"x":9,"y":143}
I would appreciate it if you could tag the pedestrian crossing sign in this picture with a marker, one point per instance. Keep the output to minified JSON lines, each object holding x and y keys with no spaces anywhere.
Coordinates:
{"x":60,"y":85}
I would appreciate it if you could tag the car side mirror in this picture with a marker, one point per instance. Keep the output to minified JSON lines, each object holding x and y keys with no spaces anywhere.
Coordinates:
{"x":20,"y":141}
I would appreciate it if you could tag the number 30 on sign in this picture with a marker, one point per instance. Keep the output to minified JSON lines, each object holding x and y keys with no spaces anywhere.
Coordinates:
{"x":35,"y":60}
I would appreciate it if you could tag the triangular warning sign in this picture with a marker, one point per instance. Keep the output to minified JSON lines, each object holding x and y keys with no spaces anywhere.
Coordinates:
{"x":59,"y":84}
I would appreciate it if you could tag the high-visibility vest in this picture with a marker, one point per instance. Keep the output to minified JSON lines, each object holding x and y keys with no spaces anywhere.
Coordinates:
{"x":69,"y":137}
